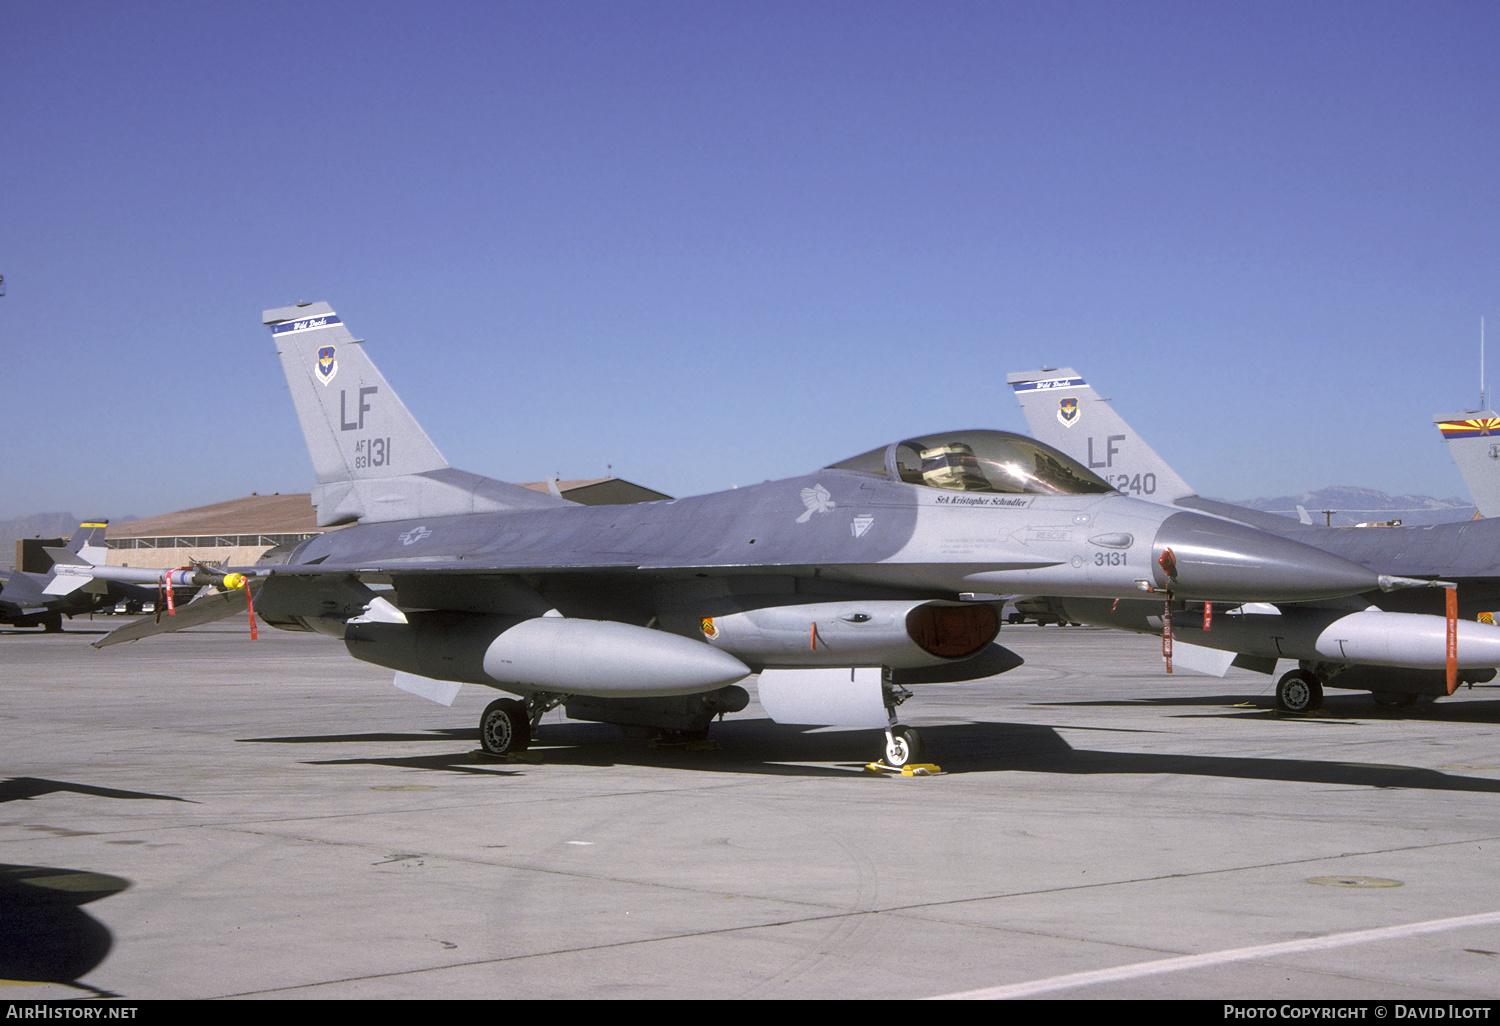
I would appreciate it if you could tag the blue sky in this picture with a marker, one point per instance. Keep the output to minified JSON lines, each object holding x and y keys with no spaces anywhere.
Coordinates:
{"x":711,"y":243}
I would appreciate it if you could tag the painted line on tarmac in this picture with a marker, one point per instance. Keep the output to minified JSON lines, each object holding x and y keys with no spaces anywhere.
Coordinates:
{"x":1173,"y":965}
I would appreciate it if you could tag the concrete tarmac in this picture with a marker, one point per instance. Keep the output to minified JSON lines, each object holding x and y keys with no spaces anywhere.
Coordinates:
{"x":202,"y":816}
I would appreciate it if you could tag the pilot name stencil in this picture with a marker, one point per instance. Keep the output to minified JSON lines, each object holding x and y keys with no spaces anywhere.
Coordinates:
{"x":980,"y":500}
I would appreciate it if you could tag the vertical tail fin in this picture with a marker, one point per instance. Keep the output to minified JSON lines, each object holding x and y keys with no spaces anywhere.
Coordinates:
{"x":88,"y":542}
{"x":373,"y":460}
{"x":1474,"y":441}
{"x":1063,"y":411}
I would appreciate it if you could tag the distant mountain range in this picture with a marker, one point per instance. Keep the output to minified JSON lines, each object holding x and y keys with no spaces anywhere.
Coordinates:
{"x":1352,"y":506}
{"x":38,"y":525}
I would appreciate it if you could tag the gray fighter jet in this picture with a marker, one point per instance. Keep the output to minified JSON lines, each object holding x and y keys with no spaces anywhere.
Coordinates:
{"x":1394,"y":645}
{"x":67,"y":588}
{"x":839,"y":588}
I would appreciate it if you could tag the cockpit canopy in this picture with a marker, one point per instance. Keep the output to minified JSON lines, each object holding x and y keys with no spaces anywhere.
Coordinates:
{"x":979,"y":461}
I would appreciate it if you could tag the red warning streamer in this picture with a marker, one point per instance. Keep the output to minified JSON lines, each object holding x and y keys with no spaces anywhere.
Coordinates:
{"x":1451,"y":610}
{"x":171,"y":591}
{"x":250,"y":603}
{"x":1166,"y":635}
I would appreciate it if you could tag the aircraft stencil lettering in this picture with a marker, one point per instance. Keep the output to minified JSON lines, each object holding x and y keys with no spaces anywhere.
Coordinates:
{"x":1109,"y":450}
{"x":345,"y":424}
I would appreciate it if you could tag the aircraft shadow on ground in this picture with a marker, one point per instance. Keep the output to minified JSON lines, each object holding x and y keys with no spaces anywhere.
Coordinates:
{"x":21,"y":788}
{"x":45,"y":936}
{"x":1047,"y":752}
{"x":38,"y":633}
{"x":763,"y":747}
{"x":767,"y":750}
{"x":1340,"y":706}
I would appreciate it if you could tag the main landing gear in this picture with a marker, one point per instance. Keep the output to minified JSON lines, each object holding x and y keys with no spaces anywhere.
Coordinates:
{"x":1299,"y":691}
{"x":508,"y":724}
{"x":505,"y":727}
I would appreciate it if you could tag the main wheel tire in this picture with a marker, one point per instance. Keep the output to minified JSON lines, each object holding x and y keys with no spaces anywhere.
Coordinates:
{"x":1299,"y":692}
{"x":505,"y":727}
{"x":902,"y":746}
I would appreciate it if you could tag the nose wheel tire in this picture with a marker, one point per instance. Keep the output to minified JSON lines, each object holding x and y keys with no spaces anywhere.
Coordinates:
{"x":1299,"y":692}
{"x":902,"y":746}
{"x":505,"y":727}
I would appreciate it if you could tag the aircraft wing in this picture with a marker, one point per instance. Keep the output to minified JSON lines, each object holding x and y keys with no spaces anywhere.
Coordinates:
{"x":204,"y":609}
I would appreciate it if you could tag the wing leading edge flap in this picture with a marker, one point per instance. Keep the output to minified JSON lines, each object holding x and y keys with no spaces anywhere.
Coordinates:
{"x":204,"y":609}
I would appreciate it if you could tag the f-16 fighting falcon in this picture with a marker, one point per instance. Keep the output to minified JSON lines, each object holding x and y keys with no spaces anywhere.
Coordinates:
{"x":1398,"y":646}
{"x":839,"y":588}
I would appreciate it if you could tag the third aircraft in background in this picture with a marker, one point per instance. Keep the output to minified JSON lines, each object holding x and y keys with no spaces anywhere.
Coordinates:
{"x":68,"y":587}
{"x":1394,"y":644}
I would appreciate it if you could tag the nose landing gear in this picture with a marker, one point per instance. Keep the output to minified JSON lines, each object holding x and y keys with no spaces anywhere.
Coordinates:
{"x":903,"y":745}
{"x":904,"y":750}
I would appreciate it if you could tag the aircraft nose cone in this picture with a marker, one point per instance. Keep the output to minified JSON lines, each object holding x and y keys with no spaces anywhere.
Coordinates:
{"x":1205,"y":558}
